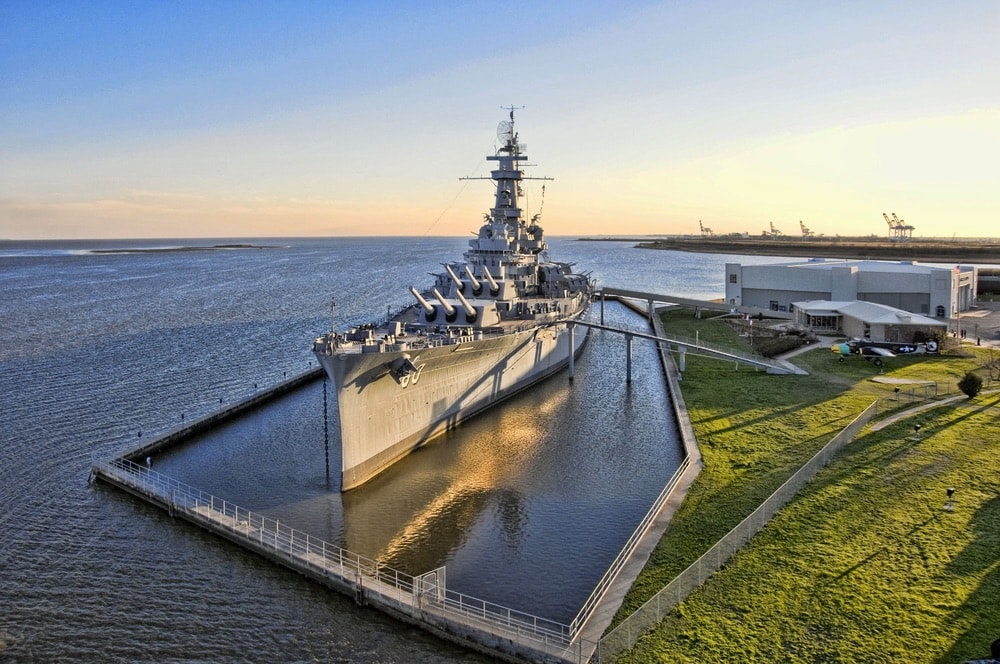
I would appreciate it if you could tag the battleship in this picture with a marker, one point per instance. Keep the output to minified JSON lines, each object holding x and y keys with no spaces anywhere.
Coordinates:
{"x":491,"y":325}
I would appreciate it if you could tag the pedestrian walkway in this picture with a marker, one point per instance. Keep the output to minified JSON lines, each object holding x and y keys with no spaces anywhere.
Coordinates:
{"x":892,"y":419}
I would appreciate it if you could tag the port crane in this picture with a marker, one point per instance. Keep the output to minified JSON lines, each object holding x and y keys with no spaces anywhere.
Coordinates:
{"x":898,"y":229}
{"x":705,"y":230}
{"x":774,"y":231}
{"x":805,"y":231}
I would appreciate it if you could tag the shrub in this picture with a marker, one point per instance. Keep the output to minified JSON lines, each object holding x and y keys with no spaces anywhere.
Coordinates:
{"x":970,"y":384}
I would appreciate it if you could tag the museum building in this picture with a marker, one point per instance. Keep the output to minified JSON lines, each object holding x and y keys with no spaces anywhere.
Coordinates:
{"x":936,"y":292}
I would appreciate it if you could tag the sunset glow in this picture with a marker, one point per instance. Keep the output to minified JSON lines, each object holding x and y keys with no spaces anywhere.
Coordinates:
{"x":313,"y":119}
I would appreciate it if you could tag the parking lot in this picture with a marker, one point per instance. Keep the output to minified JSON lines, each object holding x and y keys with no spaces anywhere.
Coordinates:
{"x":982,"y":324}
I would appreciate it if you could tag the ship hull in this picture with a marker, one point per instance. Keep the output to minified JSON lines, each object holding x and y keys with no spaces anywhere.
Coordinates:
{"x":385,"y":416}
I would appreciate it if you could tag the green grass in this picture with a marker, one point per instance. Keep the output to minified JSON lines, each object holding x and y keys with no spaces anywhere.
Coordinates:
{"x":863,"y":565}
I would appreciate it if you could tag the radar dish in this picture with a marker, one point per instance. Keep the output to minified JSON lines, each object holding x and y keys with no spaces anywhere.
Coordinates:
{"x":505,"y":130}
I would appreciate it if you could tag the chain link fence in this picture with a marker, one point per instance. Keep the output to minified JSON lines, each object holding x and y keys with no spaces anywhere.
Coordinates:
{"x":625,"y":635}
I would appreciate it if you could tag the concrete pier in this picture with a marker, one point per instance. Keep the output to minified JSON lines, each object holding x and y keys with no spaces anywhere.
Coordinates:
{"x":423,"y":600}
{"x":207,"y":422}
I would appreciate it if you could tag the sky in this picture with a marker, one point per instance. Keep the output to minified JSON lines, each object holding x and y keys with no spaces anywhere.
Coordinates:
{"x":263,"y":119}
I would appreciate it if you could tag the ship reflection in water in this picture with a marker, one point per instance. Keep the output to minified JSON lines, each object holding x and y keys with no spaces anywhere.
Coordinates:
{"x":414,"y":517}
{"x":526,"y":504}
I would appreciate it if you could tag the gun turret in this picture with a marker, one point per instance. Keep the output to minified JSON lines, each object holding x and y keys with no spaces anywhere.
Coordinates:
{"x":494,"y":288}
{"x":477,"y":287}
{"x":450,"y":313}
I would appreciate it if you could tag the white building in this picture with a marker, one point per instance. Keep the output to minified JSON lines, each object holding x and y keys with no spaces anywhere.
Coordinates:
{"x":921,"y":289}
{"x":867,"y":320}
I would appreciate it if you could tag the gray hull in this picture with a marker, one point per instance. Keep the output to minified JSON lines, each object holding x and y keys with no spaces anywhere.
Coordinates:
{"x":383,"y":417}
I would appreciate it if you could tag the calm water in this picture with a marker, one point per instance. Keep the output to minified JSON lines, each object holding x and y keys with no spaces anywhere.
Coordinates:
{"x":526,"y":505}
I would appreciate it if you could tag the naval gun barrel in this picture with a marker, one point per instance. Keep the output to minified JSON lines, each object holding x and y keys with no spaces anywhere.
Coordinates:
{"x":494,"y":288}
{"x":449,"y":311}
{"x":470,"y":311}
{"x":477,"y":287}
{"x":459,"y":284}
{"x":428,"y":307}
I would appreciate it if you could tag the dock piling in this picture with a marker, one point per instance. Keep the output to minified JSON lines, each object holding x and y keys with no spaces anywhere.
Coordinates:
{"x":572,"y":345}
{"x":628,"y":358}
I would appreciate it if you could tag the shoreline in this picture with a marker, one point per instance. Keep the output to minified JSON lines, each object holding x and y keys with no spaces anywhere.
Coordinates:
{"x":930,"y":251}
{"x":160,"y":250}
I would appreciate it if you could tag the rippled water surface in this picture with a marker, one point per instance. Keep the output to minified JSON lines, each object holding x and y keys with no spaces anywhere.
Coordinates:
{"x":526,"y":505}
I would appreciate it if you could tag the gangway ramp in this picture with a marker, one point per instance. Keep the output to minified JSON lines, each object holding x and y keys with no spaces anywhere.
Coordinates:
{"x":697,"y":305}
{"x":683,"y":345}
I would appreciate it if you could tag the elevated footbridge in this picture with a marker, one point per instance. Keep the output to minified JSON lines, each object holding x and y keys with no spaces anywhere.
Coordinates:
{"x":683,"y":345}
{"x":697,"y":305}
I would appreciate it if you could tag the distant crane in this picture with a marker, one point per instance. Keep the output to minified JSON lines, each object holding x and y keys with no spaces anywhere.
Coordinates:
{"x":905,"y":230}
{"x":898,"y":230}
{"x":774,"y":231}
{"x":805,"y":231}
{"x":705,"y":230}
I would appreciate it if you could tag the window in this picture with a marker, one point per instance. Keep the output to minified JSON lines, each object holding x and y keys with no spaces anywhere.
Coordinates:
{"x":940,"y":311}
{"x":732,"y":278}
{"x":824,"y":322}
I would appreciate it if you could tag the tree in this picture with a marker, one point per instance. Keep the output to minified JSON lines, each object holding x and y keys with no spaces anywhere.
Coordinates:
{"x":970,"y":384}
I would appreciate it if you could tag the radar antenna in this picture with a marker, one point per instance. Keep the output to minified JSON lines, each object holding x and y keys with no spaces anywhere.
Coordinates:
{"x":505,"y":131}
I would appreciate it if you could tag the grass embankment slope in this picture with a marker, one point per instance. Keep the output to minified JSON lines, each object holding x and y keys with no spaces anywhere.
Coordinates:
{"x":864,"y":564}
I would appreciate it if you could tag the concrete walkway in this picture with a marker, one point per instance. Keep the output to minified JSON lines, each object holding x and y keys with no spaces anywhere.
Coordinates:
{"x":821,"y":342}
{"x":892,"y":419}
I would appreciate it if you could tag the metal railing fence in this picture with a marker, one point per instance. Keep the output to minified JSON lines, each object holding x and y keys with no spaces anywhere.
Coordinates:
{"x":693,"y":342}
{"x":365,"y":574}
{"x":623,"y":556}
{"x":627,"y":632}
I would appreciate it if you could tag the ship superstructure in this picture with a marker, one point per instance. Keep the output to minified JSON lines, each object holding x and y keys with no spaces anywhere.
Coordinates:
{"x":490,"y":325}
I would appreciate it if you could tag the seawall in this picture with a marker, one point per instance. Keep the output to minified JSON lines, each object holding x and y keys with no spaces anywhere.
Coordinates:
{"x":207,"y":422}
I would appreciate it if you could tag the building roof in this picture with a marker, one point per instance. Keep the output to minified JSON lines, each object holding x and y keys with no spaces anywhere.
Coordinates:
{"x":869,"y":312}
{"x":912,"y":267}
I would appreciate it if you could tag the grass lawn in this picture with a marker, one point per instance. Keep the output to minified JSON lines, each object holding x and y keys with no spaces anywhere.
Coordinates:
{"x":865,"y":564}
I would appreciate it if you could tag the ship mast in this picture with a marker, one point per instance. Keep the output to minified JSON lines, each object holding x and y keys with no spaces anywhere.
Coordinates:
{"x":508,"y":175}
